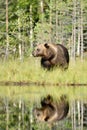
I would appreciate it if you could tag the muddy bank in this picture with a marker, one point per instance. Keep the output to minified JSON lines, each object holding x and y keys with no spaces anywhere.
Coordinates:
{"x":30,"y":83}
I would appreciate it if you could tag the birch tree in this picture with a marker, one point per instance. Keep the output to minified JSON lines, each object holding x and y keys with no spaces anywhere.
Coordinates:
{"x":19,"y":37}
{"x":81,"y":30}
{"x":31,"y":27}
{"x":56,"y":3}
{"x":42,"y":12}
{"x":50,"y":21}
{"x":74,"y":29}
{"x":7,"y":35}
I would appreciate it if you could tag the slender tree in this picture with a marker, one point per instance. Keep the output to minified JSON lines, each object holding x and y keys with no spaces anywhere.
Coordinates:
{"x":42,"y":12}
{"x":56,"y":3}
{"x":31,"y":27}
{"x":81,"y":30}
{"x":19,"y":37}
{"x":74,"y":29}
{"x":7,"y":36}
{"x":50,"y":19}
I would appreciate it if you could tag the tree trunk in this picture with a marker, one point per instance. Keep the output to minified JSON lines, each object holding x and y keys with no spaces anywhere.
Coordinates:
{"x":61,"y":26}
{"x":56,"y":3}
{"x":19,"y":37}
{"x":74,"y":28}
{"x":50,"y":21}
{"x":31,"y":28}
{"x":7,"y":36}
{"x":81,"y":30}
{"x":42,"y":13}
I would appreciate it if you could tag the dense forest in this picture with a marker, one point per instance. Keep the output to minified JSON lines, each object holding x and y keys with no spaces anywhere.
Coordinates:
{"x":24,"y":22}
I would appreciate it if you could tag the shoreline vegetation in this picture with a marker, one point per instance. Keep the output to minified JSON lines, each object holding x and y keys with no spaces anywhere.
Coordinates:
{"x":17,"y":77}
{"x":30,"y":70}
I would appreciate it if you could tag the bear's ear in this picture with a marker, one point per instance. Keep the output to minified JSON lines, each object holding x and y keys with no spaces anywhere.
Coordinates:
{"x":46,"y":45}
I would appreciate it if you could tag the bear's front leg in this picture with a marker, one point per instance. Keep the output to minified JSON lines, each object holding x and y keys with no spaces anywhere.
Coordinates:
{"x":46,"y":64}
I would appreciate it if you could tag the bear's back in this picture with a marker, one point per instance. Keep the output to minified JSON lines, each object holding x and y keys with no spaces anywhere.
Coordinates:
{"x":64,"y":50}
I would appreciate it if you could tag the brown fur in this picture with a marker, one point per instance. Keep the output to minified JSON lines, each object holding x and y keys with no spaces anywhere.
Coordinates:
{"x":51,"y":110}
{"x":52,"y":55}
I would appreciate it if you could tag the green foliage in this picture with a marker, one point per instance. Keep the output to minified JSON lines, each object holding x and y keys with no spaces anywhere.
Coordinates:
{"x":54,"y":24}
{"x":42,"y":32}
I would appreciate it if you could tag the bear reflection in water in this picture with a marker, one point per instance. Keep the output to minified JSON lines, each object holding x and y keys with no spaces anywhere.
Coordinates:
{"x":51,"y":110}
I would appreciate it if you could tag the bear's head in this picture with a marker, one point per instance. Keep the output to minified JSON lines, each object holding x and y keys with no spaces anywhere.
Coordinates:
{"x":39,"y":114}
{"x":44,"y":50}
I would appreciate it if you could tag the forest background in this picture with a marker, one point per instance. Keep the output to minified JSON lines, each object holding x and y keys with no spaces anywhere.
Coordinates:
{"x":24,"y":22}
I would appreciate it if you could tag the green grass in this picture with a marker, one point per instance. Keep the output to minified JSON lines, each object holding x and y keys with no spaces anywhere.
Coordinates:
{"x":30,"y":70}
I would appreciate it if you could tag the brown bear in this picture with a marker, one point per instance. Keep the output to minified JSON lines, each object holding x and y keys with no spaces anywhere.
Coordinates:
{"x":52,"y":55}
{"x":51,"y":110}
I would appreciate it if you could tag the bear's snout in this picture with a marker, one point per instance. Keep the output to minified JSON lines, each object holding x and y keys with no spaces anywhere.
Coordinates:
{"x":34,"y":54}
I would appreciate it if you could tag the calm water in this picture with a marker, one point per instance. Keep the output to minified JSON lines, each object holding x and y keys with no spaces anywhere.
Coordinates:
{"x":17,"y":103}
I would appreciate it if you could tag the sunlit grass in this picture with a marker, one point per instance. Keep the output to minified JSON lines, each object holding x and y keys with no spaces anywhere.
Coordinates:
{"x":30,"y":70}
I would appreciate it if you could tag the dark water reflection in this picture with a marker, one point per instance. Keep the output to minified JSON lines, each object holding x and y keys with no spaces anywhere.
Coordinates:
{"x":17,"y":115}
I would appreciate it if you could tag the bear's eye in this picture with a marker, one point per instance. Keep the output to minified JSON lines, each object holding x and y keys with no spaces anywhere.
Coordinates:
{"x":38,"y":114}
{"x":38,"y":49}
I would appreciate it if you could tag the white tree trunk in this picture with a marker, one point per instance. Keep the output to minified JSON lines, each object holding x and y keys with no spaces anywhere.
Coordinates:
{"x":50,"y":21}
{"x":42,"y":13}
{"x":19,"y":37}
{"x":56,"y":21}
{"x":7,"y":36}
{"x":82,"y":30}
{"x":79,"y":30}
{"x":74,"y":29}
{"x":31,"y":28}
